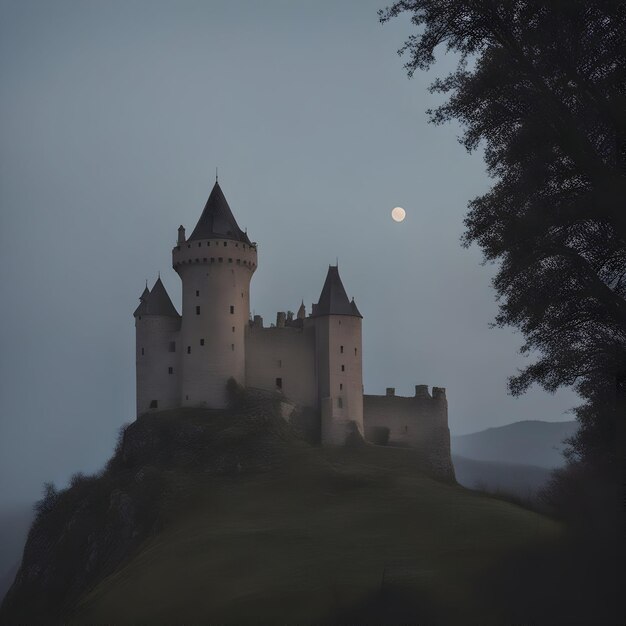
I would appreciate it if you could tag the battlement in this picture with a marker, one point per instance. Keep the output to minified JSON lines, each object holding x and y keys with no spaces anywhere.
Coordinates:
{"x":215,"y":252}
{"x":421,"y":392}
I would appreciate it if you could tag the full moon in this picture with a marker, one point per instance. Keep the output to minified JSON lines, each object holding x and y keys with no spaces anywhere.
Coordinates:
{"x":398,"y":214}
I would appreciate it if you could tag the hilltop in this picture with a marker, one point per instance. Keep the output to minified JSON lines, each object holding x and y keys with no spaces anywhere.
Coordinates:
{"x":229,"y":516}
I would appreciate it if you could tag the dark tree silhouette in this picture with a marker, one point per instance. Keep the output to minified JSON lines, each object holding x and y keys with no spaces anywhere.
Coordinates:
{"x":541,"y":86}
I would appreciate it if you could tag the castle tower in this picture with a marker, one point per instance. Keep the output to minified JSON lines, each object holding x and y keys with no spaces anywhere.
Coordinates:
{"x":215,"y":265}
{"x":157,"y":325}
{"x":339,"y":360}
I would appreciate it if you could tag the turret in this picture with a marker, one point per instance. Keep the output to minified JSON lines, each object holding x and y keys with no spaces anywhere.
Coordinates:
{"x":157,"y":325}
{"x":215,"y":265}
{"x":339,"y":360}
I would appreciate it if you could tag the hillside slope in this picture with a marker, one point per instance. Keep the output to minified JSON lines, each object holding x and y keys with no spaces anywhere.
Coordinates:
{"x":314,"y":541}
{"x":530,"y":442}
{"x":219,"y":517}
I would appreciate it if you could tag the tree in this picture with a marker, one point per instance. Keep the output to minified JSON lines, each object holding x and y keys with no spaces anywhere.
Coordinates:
{"x":541,"y":86}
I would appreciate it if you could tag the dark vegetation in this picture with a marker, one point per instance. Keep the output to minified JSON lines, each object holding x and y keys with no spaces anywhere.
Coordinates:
{"x":541,"y":87}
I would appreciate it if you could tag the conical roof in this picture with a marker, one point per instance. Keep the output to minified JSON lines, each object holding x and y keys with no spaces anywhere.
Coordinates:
{"x":217,"y":220}
{"x":140,"y":310}
{"x":333,"y":299}
{"x":157,"y":302}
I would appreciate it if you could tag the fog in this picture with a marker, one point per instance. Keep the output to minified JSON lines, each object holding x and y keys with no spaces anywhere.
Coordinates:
{"x":113,"y":118}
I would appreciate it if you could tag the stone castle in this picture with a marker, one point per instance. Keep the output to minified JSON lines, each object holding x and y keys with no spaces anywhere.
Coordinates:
{"x":314,"y":361}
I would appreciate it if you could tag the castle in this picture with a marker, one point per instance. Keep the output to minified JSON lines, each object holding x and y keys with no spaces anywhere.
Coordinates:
{"x":314,"y":361}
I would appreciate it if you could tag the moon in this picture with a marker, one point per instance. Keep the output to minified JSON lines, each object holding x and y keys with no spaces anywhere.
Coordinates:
{"x":398,"y":214}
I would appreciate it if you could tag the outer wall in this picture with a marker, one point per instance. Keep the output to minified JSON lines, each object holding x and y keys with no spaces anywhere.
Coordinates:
{"x":287,"y":353}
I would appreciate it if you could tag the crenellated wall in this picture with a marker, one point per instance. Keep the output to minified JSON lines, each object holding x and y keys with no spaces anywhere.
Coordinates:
{"x":284,"y":355}
{"x":419,"y":421}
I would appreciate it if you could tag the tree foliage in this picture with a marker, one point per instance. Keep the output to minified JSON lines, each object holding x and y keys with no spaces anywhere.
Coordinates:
{"x":541,"y":87}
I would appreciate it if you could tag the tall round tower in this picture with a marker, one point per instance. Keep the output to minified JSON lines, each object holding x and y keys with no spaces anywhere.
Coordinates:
{"x":215,"y":265}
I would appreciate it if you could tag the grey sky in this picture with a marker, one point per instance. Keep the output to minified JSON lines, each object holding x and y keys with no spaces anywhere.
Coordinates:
{"x":113,"y":117}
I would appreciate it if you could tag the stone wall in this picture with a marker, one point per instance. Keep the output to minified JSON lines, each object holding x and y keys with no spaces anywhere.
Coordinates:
{"x":419,"y":421}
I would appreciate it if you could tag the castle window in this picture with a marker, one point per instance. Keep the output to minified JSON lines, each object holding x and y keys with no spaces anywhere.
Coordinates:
{"x":201,"y":342}
{"x":199,"y":244}
{"x":154,"y":404}
{"x":188,"y":349}
{"x":172,"y":346}
{"x":189,"y":245}
{"x":225,"y":244}
{"x":244,"y":246}
{"x":232,"y":347}
{"x":238,"y":261}
{"x":341,"y":349}
{"x":340,"y":403}
{"x":279,"y":383}
{"x":233,"y":329}
{"x":197,"y":310}
{"x":142,"y":352}
{"x":340,"y":386}
{"x":204,"y":260}
{"x":343,"y":368}
{"x":230,"y":260}
{"x":197,"y":260}
{"x":355,"y":352}
{"x":170,"y":370}
{"x":232,"y":309}
{"x":197,"y":293}
{"x":220,"y":259}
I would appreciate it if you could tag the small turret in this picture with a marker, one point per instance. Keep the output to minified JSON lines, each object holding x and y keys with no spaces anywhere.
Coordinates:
{"x":181,"y":234}
{"x":301,"y":312}
{"x":157,"y":326}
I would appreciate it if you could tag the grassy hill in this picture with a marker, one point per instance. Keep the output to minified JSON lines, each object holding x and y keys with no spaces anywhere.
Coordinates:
{"x":228,"y":517}
{"x":313,"y":541}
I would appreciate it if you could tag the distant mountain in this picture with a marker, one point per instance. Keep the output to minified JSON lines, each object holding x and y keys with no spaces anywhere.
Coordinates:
{"x":531,"y":442}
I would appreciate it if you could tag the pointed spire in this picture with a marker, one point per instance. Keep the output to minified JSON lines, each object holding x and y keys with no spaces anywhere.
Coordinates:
{"x":217,"y":220}
{"x":301,"y":312}
{"x":140,"y":310}
{"x":333,"y":299}
{"x":157,"y":302}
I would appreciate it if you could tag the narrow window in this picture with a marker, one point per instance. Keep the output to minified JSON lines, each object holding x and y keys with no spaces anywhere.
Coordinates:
{"x":225,"y":244}
{"x":232,"y":309}
{"x":220,"y":260}
{"x":232,"y":347}
{"x":204,"y":259}
{"x":340,"y":403}
{"x":142,"y":352}
{"x":199,"y":244}
{"x":230,"y":260}
{"x":197,"y":310}
{"x":188,"y":349}
{"x":341,"y":349}
{"x":233,"y":329}
{"x":355,"y":352}
{"x":279,"y":383}
{"x":238,"y":261}
{"x":197,"y":260}
{"x":170,"y":370}
{"x":208,"y":243}
{"x":343,"y":368}
{"x":189,"y":245}
{"x":236,"y":245}
{"x":201,"y":342}
{"x":340,"y":386}
{"x":154,"y":404}
{"x":172,"y":347}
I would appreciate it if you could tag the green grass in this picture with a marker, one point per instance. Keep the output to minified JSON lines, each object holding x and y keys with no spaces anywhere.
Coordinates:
{"x":310,"y":542}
